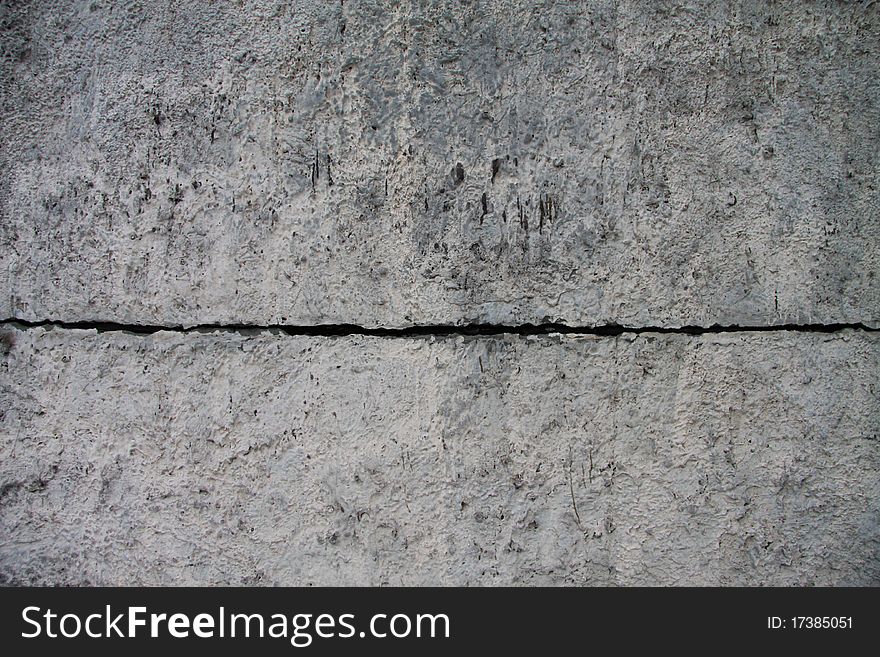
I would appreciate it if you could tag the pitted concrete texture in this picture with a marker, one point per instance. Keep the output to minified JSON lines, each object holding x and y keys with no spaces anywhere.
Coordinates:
{"x":417,"y":165}
{"x":389,"y":164}
{"x":270,"y":459}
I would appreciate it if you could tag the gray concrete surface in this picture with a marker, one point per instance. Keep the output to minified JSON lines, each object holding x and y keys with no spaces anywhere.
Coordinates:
{"x":646,"y":164}
{"x":273,"y":459}
{"x":387,"y":164}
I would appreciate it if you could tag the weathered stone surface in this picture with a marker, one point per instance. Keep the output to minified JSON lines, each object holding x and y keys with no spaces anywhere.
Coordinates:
{"x":431,"y":162}
{"x":417,"y":163}
{"x":227,"y":458}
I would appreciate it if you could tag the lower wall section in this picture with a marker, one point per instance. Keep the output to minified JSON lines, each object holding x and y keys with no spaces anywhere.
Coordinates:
{"x":226,"y":458}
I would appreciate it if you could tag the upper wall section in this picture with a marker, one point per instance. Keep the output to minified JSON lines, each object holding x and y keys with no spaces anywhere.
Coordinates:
{"x":592,"y":162}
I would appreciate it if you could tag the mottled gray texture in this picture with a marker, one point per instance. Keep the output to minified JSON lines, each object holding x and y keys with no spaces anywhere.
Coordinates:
{"x":650,"y":164}
{"x":390,"y":163}
{"x":270,"y":459}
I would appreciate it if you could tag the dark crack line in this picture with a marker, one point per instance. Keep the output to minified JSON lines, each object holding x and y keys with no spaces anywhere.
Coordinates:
{"x":438,"y":330}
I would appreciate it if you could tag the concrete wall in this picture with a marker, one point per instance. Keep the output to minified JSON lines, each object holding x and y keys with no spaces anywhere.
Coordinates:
{"x":413,"y":166}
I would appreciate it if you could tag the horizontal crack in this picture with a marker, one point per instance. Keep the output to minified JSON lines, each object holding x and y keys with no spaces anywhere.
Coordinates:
{"x":335,"y":330}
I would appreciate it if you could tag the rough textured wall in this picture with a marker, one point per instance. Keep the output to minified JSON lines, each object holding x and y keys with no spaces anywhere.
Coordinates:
{"x":633,"y":162}
{"x":416,"y":165}
{"x":207,"y":458}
